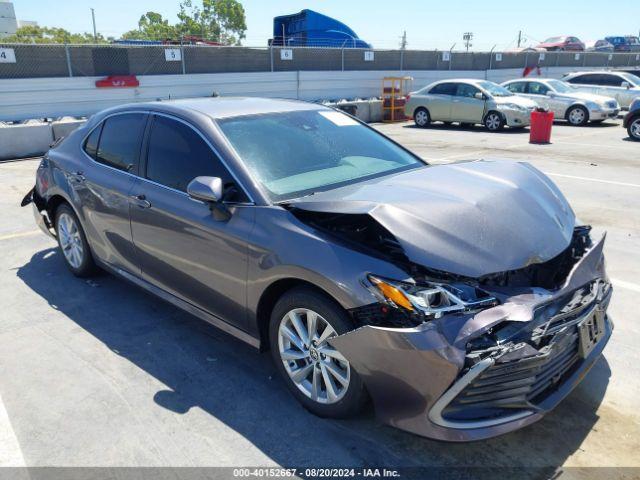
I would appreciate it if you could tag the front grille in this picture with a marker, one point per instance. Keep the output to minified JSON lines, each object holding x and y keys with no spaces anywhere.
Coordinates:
{"x":510,"y":385}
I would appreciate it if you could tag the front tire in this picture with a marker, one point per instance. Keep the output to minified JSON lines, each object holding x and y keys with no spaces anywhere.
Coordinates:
{"x":421,"y":117}
{"x":494,"y":122}
{"x":578,"y":116}
{"x":633,"y":129}
{"x":316,"y":374}
{"x":73,"y":242}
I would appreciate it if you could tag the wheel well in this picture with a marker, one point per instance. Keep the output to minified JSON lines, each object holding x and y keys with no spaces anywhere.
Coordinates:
{"x":52,"y":205}
{"x":576,"y":105}
{"x":493,"y":111}
{"x":268,"y":301}
{"x":421,"y":108}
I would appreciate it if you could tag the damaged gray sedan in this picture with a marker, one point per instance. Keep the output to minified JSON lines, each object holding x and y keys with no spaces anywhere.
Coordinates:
{"x":465,"y":300}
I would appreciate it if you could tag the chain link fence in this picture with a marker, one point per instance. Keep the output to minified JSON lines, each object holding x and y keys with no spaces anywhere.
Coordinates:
{"x":32,"y":61}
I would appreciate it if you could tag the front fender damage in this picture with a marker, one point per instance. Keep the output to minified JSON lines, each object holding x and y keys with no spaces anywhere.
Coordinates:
{"x":530,"y":342}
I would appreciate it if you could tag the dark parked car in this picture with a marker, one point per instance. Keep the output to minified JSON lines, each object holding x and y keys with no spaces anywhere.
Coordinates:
{"x":627,"y":43}
{"x":632,"y":121}
{"x":464,"y":299}
{"x":561,"y":44}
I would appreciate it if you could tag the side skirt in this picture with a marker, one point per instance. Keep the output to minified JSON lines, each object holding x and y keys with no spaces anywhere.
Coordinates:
{"x":183,"y":305}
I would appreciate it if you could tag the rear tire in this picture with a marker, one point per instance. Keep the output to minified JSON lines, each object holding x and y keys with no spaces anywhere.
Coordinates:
{"x":73,"y":242}
{"x":320,"y":378}
{"x":494,"y":122}
{"x":633,"y":129}
{"x":421,"y":117}
{"x":578,"y":116}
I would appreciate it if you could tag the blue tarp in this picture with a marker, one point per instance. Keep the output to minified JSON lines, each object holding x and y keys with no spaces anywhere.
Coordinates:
{"x":313,"y":29}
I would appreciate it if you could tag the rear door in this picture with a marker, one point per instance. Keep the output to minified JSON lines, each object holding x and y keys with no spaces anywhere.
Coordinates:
{"x":439,"y":101}
{"x":113,"y":148}
{"x":587,"y":82}
{"x":181,"y":246}
{"x":465,"y":106}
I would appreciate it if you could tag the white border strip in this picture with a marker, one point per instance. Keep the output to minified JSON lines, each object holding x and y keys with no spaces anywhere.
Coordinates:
{"x":10,"y":452}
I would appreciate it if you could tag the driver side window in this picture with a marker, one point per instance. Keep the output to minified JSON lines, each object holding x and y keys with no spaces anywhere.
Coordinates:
{"x":536,"y":88}
{"x":177,"y":154}
{"x":466,"y":90}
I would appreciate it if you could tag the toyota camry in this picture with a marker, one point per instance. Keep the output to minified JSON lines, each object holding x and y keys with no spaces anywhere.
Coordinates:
{"x":465,"y":300}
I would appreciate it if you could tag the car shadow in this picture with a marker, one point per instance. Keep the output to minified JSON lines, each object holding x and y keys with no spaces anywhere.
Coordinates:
{"x":469,"y":128}
{"x":201,"y":366}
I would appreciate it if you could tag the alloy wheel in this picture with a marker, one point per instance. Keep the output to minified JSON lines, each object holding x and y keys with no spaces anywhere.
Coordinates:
{"x":70,"y":240}
{"x":318,"y":370}
{"x":422,"y":118}
{"x":493,"y":121}
{"x":634,"y":129}
{"x":577,"y":116}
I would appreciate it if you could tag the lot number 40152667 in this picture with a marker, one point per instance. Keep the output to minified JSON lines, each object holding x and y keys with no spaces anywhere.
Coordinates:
{"x":7,"y":55}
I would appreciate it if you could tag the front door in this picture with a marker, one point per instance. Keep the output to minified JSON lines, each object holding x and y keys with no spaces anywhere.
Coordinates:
{"x":466,"y":107}
{"x":181,"y":246}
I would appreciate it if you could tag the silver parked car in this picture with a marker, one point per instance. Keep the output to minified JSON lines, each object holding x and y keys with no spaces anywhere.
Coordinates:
{"x":469,"y":102}
{"x":466,"y":299}
{"x":578,"y":108}
{"x":623,"y":86}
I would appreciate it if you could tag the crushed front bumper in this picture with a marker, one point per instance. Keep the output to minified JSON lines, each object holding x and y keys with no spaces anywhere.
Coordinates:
{"x":516,"y":118}
{"x":422,"y":380}
{"x":604,"y":114}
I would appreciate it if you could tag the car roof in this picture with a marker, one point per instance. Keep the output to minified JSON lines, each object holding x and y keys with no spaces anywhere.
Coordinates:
{"x":225,"y":107}
{"x":535,"y":79}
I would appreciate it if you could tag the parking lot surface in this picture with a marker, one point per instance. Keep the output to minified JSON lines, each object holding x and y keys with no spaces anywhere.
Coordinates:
{"x":98,"y":373}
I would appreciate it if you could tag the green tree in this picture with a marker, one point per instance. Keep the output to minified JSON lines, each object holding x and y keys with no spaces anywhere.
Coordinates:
{"x":37,"y":34}
{"x":152,"y":26}
{"x":223,"y":21}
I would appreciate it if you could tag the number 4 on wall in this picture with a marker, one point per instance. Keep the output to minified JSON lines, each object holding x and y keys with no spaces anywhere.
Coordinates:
{"x":7,"y":55}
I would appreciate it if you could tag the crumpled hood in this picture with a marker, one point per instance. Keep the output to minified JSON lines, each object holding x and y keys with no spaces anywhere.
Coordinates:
{"x":471,"y":218}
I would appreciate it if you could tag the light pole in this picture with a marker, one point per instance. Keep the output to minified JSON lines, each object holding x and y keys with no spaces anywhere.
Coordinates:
{"x":467,"y":37}
{"x":93,"y":18}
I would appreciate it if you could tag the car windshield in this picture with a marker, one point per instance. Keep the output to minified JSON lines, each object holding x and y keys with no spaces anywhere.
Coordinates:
{"x":554,"y":40}
{"x":293,"y":154}
{"x":631,"y":78}
{"x":560,"y":87}
{"x":495,"y":90}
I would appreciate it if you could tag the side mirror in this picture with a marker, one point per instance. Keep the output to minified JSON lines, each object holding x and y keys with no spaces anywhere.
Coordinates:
{"x":551,"y":93}
{"x":207,"y":189}
{"x":479,"y":96}
{"x":626,"y":85}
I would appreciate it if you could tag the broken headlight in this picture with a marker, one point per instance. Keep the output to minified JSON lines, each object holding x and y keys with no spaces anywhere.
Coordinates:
{"x":431,"y":300}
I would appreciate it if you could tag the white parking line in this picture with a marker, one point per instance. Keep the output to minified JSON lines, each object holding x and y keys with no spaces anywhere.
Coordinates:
{"x":634,"y":287}
{"x":19,"y":235}
{"x":10,"y":453}
{"x":598,"y":180}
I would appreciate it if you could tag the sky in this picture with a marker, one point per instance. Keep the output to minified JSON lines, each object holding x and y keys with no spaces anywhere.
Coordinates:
{"x":429,"y":24}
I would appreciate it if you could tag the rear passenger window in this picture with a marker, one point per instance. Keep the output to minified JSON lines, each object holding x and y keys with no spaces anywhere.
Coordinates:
{"x":177,"y":154}
{"x":517,"y":87}
{"x":585,"y":79}
{"x":91,"y":144}
{"x":444,"y":89}
{"x":119,"y":145}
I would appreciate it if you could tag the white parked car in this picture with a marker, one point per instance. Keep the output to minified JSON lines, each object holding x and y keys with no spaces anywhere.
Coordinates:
{"x":577,"y":107}
{"x":623,"y":86}
{"x":469,"y":101}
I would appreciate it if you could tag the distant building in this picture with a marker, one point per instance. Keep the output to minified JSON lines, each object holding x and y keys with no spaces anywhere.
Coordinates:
{"x":8,"y":21}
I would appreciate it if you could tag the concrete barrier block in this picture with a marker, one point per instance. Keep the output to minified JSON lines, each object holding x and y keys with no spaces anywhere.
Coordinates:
{"x":62,"y":129}
{"x":22,"y":141}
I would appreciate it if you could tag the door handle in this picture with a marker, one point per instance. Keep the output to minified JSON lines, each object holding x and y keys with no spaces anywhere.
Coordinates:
{"x":141,"y":201}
